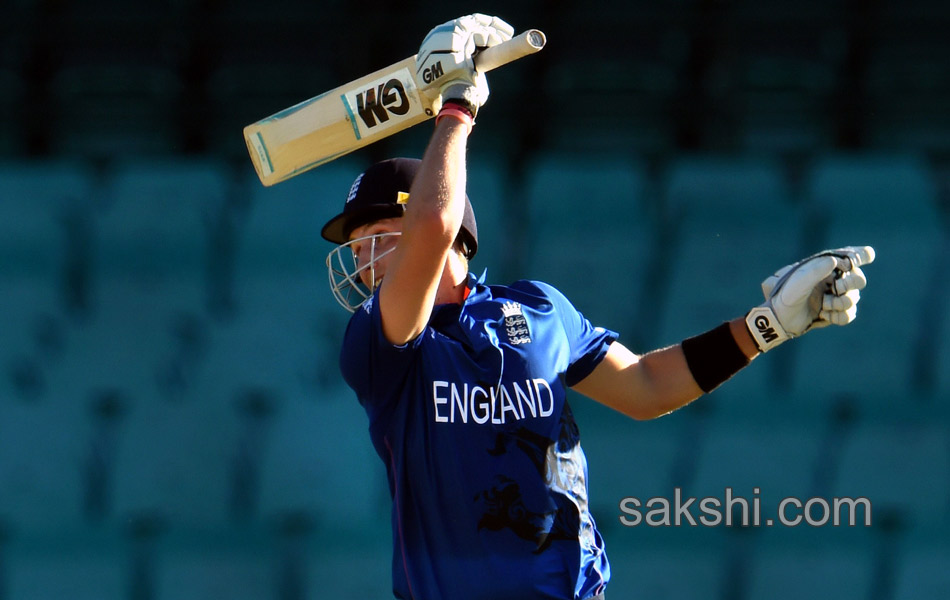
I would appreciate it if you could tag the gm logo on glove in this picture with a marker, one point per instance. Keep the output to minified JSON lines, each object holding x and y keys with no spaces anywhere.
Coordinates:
{"x":765,"y":328}
{"x":430,"y":74}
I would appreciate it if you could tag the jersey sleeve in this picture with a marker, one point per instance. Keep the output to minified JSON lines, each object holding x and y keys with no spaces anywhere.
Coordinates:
{"x":588,"y":344}
{"x":369,"y":363}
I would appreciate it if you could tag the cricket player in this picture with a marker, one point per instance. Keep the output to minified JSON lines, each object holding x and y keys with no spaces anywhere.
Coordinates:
{"x":464,"y":382}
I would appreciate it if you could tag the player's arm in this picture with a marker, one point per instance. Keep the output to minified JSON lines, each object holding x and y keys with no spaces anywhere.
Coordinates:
{"x":654,"y":384}
{"x":431,"y":223}
{"x":437,"y":198}
{"x":818,"y":291}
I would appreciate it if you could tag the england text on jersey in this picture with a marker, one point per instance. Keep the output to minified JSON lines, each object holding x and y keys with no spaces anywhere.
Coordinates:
{"x":497,"y":405}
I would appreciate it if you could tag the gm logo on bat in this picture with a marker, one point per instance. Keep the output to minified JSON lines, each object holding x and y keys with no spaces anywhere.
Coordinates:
{"x":381,"y":104}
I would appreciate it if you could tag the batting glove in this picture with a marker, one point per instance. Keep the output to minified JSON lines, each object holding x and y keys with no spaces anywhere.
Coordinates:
{"x":818,"y":291}
{"x":445,"y":62}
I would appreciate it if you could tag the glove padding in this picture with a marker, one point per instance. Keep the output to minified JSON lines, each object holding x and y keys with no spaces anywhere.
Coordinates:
{"x":818,"y":291}
{"x":445,"y":61}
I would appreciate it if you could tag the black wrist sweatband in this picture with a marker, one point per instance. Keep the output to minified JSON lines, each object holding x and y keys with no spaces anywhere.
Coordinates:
{"x":713,"y":357}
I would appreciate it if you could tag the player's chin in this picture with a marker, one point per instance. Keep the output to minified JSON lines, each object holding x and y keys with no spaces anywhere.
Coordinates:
{"x":367,"y":281}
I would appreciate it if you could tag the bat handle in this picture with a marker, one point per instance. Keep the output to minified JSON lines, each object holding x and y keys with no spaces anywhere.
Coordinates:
{"x":517,"y":47}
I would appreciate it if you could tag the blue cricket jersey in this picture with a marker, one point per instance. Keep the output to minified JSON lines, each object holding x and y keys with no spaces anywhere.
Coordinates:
{"x":487,"y":476}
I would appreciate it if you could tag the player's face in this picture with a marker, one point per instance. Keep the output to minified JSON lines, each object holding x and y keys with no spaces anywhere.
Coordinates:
{"x":372,"y":244}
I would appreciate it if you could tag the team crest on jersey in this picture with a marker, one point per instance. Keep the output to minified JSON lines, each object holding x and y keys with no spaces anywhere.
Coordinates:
{"x":515,"y":324}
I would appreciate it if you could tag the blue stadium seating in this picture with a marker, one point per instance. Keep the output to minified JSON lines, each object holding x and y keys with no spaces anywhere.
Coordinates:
{"x":282,"y":226}
{"x":158,"y":215}
{"x":319,"y":453}
{"x":626,"y":458}
{"x":351,"y":572}
{"x":901,"y":468}
{"x":199,"y":574}
{"x":826,"y":573}
{"x":285,"y":335}
{"x":888,"y":202}
{"x":176,"y":461}
{"x":785,"y":76}
{"x":28,"y":303}
{"x":222,"y":431}
{"x":246,"y":91}
{"x":923,"y":573}
{"x":492,"y":198}
{"x":42,"y":465}
{"x":590,"y":234}
{"x":734,"y":223}
{"x":662,"y":572}
{"x":109,"y":110}
{"x":38,"y":197}
{"x":12,"y":94}
{"x":71,"y":573}
{"x":908,"y":91}
{"x":779,"y":458}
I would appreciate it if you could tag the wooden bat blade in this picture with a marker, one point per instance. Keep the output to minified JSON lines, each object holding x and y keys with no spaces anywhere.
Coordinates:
{"x":354,"y":115}
{"x":335,"y":123}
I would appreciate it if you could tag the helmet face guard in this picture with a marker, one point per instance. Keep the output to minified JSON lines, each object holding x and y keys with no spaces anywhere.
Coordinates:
{"x":345,"y":271}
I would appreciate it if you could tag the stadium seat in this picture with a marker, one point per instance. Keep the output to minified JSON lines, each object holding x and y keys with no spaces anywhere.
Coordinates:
{"x":244,"y":91}
{"x":777,"y":458}
{"x":284,"y":340}
{"x":113,"y":110}
{"x":12,"y":131}
{"x":923,"y":573}
{"x":320,"y":462}
{"x":906,"y":78}
{"x":735,"y":224}
{"x":138,"y":336}
{"x":785,"y":61}
{"x":42,"y":466}
{"x":589,"y":234}
{"x":34,"y":334}
{"x":626,"y":458}
{"x":888,"y":202}
{"x":38,"y":197}
{"x":613,"y":90}
{"x":176,"y":461}
{"x":720,"y":190}
{"x":826,"y":573}
{"x":353,"y":572}
{"x":156,"y":226}
{"x":51,"y":575}
{"x":285,"y":335}
{"x":241,"y":574}
{"x":665,"y":572}
{"x":907,"y":94}
{"x":491,"y":198}
{"x":283,"y":222}
{"x":901,"y":468}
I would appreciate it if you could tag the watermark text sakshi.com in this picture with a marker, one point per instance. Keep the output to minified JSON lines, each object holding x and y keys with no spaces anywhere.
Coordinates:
{"x":738,"y":511}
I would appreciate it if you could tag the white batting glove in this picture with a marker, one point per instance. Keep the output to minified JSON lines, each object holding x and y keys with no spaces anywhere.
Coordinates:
{"x":818,"y":291}
{"x":445,"y":64}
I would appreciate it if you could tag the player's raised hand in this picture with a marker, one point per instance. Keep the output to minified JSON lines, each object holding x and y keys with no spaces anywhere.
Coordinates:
{"x":445,"y":60}
{"x":821,"y":290}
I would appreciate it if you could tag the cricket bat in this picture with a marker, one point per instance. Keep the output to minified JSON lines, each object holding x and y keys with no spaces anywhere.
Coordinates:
{"x":368,"y":109}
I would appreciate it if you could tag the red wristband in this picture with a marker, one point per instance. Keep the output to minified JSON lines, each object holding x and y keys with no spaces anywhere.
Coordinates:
{"x":456,"y":112}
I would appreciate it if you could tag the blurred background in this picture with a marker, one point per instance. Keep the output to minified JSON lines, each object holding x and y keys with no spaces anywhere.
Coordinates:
{"x":172,"y":420}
